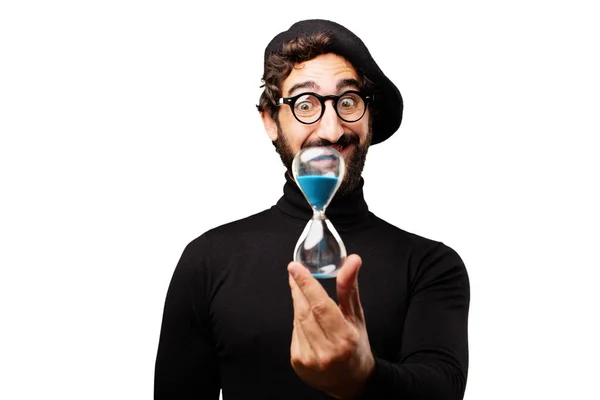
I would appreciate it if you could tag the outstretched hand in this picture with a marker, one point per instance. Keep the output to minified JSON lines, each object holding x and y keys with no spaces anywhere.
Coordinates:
{"x":330,"y":348}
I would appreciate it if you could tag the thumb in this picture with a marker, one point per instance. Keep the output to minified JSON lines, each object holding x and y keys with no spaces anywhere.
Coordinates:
{"x":347,"y":288}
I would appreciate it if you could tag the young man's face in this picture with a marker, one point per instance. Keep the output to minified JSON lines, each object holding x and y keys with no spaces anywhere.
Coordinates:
{"x":327,"y":74}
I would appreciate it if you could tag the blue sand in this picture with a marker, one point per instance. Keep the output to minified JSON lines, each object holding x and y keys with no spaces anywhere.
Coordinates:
{"x":317,"y":188}
{"x":322,"y":276}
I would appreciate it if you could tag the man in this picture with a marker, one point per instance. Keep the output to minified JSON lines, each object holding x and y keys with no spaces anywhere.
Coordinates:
{"x":235,"y":319}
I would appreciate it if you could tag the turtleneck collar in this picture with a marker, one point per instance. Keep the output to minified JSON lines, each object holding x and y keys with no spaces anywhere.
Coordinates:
{"x":347,"y":209}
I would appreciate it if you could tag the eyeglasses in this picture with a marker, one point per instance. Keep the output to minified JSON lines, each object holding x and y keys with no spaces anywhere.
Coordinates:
{"x":309,"y":107}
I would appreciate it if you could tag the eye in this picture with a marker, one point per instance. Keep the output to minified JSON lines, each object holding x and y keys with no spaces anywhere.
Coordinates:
{"x":348,"y":102}
{"x":307,"y":104}
{"x":304,"y":106}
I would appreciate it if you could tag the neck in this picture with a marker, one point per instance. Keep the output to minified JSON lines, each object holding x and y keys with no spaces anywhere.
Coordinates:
{"x":344,"y":208}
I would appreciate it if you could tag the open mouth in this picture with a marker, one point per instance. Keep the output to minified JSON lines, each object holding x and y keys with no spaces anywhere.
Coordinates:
{"x":341,"y":148}
{"x":338,"y":147}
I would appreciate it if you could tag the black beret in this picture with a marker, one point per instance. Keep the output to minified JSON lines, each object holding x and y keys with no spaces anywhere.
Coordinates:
{"x":388,"y":100}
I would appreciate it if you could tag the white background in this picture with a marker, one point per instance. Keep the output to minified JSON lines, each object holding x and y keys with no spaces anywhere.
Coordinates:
{"x":128,"y":128}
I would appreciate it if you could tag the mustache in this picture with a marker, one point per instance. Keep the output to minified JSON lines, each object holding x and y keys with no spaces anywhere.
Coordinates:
{"x":345,"y":140}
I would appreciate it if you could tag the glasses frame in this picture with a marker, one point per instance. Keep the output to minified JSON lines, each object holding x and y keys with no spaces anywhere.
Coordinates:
{"x":291,"y":101}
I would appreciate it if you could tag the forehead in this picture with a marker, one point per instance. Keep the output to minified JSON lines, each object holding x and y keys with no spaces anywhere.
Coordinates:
{"x":324,"y":71}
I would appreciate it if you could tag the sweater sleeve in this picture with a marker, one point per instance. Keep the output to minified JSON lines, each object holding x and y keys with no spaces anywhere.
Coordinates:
{"x":186,"y":365}
{"x":433,"y":359}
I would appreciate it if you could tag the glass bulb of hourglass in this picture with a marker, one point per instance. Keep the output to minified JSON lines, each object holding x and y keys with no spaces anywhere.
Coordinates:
{"x":318,"y":172}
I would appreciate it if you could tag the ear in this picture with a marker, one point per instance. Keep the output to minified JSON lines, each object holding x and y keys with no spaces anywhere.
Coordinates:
{"x":270,"y":125}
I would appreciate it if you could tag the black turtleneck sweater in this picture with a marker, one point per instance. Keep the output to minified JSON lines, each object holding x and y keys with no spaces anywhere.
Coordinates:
{"x":228,"y":314}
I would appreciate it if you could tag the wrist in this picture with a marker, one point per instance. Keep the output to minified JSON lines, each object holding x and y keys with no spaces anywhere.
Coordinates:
{"x":354,"y":389}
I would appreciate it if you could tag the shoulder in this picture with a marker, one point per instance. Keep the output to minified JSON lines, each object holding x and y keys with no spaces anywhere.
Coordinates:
{"x":388,"y":232}
{"x":420,"y":252}
{"x":228,"y":236}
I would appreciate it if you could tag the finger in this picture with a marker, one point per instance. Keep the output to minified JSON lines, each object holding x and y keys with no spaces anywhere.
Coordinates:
{"x":347,"y":288}
{"x":300,"y":350}
{"x":295,"y":345}
{"x":301,"y":306}
{"x":322,"y":308}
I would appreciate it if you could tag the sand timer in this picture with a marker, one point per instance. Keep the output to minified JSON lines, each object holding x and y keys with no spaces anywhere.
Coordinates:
{"x":319,"y":171}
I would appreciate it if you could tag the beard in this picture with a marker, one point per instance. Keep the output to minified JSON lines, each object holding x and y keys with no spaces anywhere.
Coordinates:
{"x":354,"y":165}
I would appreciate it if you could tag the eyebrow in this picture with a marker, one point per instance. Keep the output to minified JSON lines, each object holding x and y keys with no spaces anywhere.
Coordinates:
{"x":304,"y":85}
{"x":344,"y":83}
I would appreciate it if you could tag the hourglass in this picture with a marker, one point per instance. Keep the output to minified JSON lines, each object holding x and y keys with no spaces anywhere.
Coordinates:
{"x":318,"y":172}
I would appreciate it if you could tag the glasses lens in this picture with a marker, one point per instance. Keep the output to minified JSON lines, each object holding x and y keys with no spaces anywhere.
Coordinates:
{"x":350,"y":107}
{"x":307,"y":108}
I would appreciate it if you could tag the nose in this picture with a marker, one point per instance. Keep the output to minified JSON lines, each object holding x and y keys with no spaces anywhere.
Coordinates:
{"x":330,"y":125}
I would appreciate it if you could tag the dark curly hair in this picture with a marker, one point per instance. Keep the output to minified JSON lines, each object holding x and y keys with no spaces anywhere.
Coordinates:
{"x":278,"y":66}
